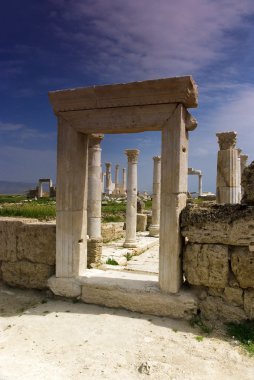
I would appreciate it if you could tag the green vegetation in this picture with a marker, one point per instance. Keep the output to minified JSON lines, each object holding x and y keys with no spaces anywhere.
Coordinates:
{"x":244,"y":333}
{"x":12,"y":198}
{"x":113,"y":212}
{"x":199,"y":338}
{"x":34,"y":209}
{"x":128,"y":256}
{"x":196,"y":321}
{"x":148,"y":204}
{"x":111,"y":261}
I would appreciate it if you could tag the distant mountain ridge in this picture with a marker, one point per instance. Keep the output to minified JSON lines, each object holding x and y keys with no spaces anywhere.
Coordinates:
{"x":7,"y":187}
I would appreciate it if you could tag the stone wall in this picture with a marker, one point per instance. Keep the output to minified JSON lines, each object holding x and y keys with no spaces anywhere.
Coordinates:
{"x":28,"y":250}
{"x":112,"y":231}
{"x":218,"y":259}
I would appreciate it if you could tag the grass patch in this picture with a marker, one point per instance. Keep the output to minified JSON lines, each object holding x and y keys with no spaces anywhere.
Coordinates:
{"x":196,"y":321}
{"x":111,"y":261}
{"x":244,"y":333}
{"x":12,"y":198}
{"x":148,"y":204}
{"x":112,"y":218}
{"x":199,"y":338}
{"x":128,"y":256}
{"x":30,"y":210}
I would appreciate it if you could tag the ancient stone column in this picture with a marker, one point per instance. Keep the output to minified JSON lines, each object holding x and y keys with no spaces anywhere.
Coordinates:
{"x":131,"y":210}
{"x":94,"y":187}
{"x":94,"y":244}
{"x":228,"y":167}
{"x":124,"y":180}
{"x":108,"y":178}
{"x":116,"y":179}
{"x":200,"y":190}
{"x":155,"y":226}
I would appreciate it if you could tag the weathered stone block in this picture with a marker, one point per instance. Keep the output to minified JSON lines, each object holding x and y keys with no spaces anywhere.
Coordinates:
{"x":218,"y":224}
{"x":242,"y":264}
{"x":206,"y":264}
{"x":141,"y":222}
{"x":8,"y":239}
{"x":249,"y":303}
{"x":233,"y":296}
{"x":111,"y":231}
{"x":248,"y":184}
{"x":215,"y":308}
{"x":65,"y":287}
{"x":26,"y":274}
{"x":94,"y":250}
{"x":37,"y":243}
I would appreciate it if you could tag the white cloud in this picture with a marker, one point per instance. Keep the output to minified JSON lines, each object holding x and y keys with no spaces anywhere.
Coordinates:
{"x":10,"y":127}
{"x":147,"y":38}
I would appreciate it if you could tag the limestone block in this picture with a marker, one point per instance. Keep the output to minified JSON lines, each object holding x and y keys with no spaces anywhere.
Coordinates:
{"x":242,"y":263}
{"x":8,"y":242}
{"x":216,"y":292}
{"x":206,"y":264}
{"x":112,"y":231}
{"x":26,"y":274}
{"x":37,"y":243}
{"x":136,"y":292}
{"x":234,"y":296}
{"x":218,"y":224}
{"x":141,"y":222}
{"x":215,"y":308}
{"x":65,"y":287}
{"x":94,"y":251}
{"x":249,"y":303}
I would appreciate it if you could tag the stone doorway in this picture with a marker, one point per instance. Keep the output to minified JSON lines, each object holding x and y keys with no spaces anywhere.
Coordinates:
{"x":156,"y":105}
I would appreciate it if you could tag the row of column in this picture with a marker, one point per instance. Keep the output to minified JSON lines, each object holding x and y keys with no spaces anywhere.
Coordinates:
{"x":94,"y":193}
{"x":117,"y":187}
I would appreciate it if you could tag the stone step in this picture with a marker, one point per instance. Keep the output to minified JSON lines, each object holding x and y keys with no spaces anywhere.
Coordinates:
{"x":135,"y":292}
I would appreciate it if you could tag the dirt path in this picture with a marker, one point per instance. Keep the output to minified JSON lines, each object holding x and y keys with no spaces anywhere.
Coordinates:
{"x":54,"y":339}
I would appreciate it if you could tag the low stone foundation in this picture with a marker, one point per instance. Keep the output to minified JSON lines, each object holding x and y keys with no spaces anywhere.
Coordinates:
{"x":218,"y":259}
{"x":27,"y":252}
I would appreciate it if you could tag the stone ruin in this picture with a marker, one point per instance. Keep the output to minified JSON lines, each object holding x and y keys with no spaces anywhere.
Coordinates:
{"x":211,"y":247}
{"x":38,"y":191}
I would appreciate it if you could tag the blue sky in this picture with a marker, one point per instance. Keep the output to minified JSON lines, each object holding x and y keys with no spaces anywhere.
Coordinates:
{"x":56,"y":44}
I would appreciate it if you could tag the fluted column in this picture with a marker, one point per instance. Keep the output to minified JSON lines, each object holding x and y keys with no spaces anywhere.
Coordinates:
{"x":124,"y":180}
{"x":155,"y":226}
{"x":131,"y":211}
{"x":94,"y":187}
{"x":108,"y":178}
{"x":228,"y":167}
{"x":116,"y":179}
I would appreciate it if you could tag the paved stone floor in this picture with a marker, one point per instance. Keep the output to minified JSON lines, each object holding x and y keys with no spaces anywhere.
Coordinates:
{"x":144,"y":258}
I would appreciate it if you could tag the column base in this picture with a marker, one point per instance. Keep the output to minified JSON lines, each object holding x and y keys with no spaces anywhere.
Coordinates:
{"x":94,"y":251}
{"x":130,"y":244}
{"x":154,"y":230}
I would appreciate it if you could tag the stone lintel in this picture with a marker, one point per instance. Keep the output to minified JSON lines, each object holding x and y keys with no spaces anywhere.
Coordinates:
{"x":159,"y":91}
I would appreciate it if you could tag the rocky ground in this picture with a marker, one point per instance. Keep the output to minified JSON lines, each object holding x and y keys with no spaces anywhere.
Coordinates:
{"x":45,"y":338}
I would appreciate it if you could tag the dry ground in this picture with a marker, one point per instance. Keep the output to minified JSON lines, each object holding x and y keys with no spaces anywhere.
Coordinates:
{"x":43,"y":338}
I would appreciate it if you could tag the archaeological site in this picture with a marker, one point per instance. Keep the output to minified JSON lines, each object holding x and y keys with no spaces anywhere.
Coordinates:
{"x":184,"y":257}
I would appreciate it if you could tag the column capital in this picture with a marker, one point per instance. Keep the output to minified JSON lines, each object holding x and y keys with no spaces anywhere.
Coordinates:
{"x":226,"y":140}
{"x":132,"y":155}
{"x":108,"y":165}
{"x":117,"y":166}
{"x":95,"y":139}
{"x":157,"y":158}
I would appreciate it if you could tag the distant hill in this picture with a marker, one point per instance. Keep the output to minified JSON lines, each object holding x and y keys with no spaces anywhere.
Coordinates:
{"x":7,"y":187}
